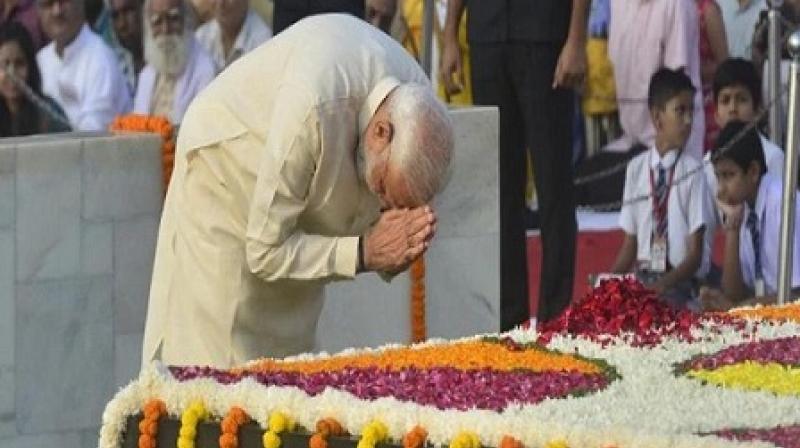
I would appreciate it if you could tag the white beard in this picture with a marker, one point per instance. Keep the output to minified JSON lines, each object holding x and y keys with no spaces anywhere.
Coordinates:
{"x":168,"y":54}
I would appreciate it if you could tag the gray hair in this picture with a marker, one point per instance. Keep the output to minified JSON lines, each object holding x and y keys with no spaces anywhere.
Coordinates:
{"x":188,"y":17}
{"x":422,"y":145}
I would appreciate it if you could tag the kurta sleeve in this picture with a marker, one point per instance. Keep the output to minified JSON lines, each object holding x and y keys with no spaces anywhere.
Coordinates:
{"x":276,"y":247}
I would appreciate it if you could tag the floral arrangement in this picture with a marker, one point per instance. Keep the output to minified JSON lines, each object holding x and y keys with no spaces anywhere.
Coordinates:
{"x":634,"y":379}
{"x":154,"y":124}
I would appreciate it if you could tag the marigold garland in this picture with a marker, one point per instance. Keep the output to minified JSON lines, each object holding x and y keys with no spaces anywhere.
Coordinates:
{"x":789,"y":312}
{"x":557,"y":443}
{"x":465,"y":439}
{"x":374,"y":432}
{"x":277,"y":423}
{"x":465,"y":356}
{"x":418,"y":325}
{"x":510,"y":442}
{"x":195,"y":413}
{"x":415,"y":438}
{"x":148,"y":426}
{"x":325,"y":428}
{"x":156,"y":124}
{"x":773,"y":377}
{"x":230,"y":427}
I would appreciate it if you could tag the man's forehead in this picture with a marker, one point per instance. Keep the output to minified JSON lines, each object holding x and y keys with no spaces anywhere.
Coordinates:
{"x":165,"y":5}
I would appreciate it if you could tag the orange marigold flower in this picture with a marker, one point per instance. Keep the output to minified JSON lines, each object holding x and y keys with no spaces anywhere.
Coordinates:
{"x":317,"y":441}
{"x":510,"y":442}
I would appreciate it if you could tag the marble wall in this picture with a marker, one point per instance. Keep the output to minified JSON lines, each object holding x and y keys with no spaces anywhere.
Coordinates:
{"x":78,"y":220}
{"x":462,"y":277}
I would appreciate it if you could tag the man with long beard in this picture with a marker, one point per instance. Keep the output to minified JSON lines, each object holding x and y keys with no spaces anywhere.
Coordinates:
{"x":177,"y":66}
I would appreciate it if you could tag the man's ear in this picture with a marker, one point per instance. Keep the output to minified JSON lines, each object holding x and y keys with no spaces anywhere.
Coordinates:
{"x":754,"y":170}
{"x":384,"y":132}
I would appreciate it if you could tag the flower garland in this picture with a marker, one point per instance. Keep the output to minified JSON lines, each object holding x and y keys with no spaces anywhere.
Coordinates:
{"x":510,"y":442}
{"x":466,"y":439}
{"x":195,"y":413}
{"x":229,"y":438}
{"x":156,"y":124}
{"x":373,"y":433}
{"x":148,"y":426}
{"x":278,"y":422}
{"x":788,"y":312}
{"x":415,"y":438}
{"x":418,"y":325}
{"x":325,"y":428}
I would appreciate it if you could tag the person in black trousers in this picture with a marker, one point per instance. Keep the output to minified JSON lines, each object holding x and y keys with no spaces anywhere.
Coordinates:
{"x":287,"y":12}
{"x":378,"y":12}
{"x":526,"y":57}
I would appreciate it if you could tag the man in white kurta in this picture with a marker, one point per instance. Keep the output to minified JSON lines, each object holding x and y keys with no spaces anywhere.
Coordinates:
{"x":266,"y":201}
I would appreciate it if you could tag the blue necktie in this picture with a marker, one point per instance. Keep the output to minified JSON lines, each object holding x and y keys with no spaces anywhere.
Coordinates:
{"x":752,"y":226}
{"x":661,"y":197}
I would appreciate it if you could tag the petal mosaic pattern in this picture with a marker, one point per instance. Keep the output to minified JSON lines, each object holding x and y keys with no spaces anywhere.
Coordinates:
{"x":483,"y":374}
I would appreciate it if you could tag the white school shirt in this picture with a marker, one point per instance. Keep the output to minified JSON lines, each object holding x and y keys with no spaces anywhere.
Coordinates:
{"x":86,"y":82}
{"x":686,"y":206}
{"x":768,"y":210}
{"x":254,"y":32}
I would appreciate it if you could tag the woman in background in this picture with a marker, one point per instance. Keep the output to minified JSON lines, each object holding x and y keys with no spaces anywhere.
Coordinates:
{"x":18,"y":115}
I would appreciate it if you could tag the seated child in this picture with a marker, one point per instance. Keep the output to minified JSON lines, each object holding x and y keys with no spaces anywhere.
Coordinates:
{"x":737,"y":95}
{"x":750,"y":198}
{"x":664,"y":234}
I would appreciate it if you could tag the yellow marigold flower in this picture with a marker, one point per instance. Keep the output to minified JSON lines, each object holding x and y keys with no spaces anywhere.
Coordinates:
{"x":557,"y":443}
{"x":278,"y":422}
{"x":748,"y":375}
{"x":271,"y":440}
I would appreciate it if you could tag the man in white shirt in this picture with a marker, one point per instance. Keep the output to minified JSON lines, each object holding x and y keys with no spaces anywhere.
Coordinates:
{"x":78,"y":69}
{"x":178,"y":68}
{"x":308,"y":160}
{"x":235,"y":30}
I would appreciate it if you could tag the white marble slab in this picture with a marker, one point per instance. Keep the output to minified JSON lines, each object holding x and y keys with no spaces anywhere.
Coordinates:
{"x":7,"y":314}
{"x":64,"y":439}
{"x":66,"y":376}
{"x":121,"y":177}
{"x":365,"y":313}
{"x":8,"y":162}
{"x":127,"y":358}
{"x":134,"y":250}
{"x":462,"y":287}
{"x":97,"y":248}
{"x":48,"y":200}
{"x":8,"y":427}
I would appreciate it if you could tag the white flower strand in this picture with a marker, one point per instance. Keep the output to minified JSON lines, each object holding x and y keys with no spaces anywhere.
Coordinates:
{"x":648,"y":407}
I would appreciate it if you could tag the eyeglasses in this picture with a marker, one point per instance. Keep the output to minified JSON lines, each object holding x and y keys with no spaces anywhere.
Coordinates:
{"x":173,"y":17}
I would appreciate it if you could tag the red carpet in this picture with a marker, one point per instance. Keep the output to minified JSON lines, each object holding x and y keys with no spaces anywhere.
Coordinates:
{"x":596,"y":252}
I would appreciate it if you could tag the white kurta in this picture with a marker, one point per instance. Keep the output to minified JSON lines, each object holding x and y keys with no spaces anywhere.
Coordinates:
{"x":199,"y":71}
{"x":265,"y":203}
{"x":86,"y":81}
{"x":253,"y":33}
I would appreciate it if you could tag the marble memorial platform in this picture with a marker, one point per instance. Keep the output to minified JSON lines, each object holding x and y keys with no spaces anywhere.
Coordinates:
{"x":78,"y":220}
{"x":462,"y":278}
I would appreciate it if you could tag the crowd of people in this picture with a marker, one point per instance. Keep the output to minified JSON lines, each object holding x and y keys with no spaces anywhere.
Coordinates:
{"x":663,"y":81}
